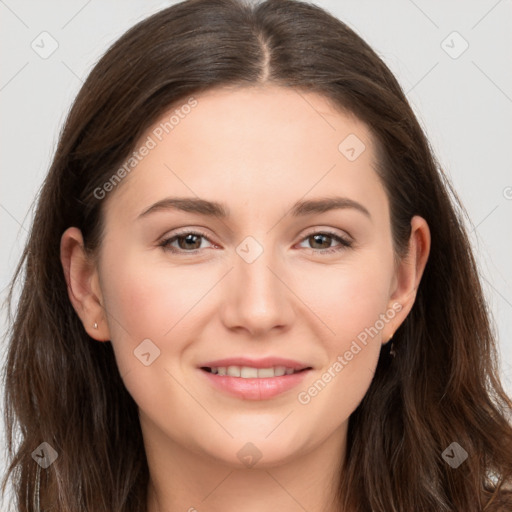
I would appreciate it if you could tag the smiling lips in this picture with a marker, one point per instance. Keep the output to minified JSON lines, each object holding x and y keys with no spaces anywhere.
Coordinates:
{"x":248,"y":372}
{"x":252,"y":379}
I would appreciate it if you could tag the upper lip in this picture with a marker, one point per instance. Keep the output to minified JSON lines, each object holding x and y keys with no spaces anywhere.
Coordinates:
{"x":266,"y":362}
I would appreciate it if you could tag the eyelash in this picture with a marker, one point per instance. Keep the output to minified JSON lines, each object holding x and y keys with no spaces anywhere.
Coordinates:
{"x":344,"y":243}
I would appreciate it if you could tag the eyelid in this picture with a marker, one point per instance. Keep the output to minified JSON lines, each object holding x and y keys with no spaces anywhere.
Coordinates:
{"x":165,"y":241}
{"x":328,"y":231}
{"x":344,"y":242}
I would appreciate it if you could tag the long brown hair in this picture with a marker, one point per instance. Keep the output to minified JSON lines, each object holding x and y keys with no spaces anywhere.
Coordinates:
{"x":63,"y":388}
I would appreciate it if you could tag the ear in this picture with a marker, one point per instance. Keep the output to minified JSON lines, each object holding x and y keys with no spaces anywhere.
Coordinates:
{"x":83,"y":284}
{"x":408,"y":276}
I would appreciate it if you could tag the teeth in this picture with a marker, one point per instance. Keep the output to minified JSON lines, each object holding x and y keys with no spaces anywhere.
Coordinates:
{"x":247,"y":372}
{"x":233,"y":371}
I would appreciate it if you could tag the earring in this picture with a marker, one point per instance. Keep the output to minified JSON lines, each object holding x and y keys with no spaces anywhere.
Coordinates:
{"x":392,"y":352}
{"x":95,"y":325}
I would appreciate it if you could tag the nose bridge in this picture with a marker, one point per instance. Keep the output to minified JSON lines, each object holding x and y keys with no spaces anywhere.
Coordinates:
{"x":256,"y":298}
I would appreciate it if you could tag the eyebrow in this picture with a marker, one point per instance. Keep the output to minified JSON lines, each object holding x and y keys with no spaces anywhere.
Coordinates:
{"x":220,"y":211}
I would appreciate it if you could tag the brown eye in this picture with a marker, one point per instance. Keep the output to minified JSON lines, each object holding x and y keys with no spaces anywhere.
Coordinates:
{"x":321,"y":242}
{"x":320,"y":239}
{"x":187,"y":242}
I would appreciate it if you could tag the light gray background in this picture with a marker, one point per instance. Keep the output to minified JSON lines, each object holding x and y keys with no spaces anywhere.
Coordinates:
{"x":463,"y":103}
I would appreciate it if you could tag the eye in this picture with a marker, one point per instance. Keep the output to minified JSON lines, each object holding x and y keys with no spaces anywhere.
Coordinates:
{"x":186,"y":240}
{"x":318,"y":238}
{"x":190,"y":242}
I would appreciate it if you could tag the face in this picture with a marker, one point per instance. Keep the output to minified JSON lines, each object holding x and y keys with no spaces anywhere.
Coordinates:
{"x":277,"y":282}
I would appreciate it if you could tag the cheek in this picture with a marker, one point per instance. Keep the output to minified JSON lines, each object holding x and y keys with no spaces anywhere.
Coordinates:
{"x":346,"y":299}
{"x":148,"y":295}
{"x":147,"y":302}
{"x":351,"y":303}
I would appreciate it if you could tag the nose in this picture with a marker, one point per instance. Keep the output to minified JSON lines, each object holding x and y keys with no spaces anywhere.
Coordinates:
{"x":256,"y":297}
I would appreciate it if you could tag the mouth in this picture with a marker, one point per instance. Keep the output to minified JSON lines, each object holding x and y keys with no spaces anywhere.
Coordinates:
{"x":257,"y":382}
{"x":249,"y":372}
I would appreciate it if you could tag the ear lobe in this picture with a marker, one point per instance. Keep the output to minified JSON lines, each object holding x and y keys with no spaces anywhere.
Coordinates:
{"x":409,"y":273}
{"x":83,"y":284}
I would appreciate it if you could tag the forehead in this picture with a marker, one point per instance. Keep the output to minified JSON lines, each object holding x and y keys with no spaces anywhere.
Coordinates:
{"x":275,"y":118}
{"x":245,"y":145}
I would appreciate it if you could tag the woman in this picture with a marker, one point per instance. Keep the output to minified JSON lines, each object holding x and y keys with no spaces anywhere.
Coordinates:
{"x":247,"y":287}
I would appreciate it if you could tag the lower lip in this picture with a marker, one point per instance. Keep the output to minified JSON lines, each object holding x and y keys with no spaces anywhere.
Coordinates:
{"x":255,"y":389}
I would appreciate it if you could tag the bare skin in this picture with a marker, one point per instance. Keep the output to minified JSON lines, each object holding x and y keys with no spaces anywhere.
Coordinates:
{"x":258,"y":151}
